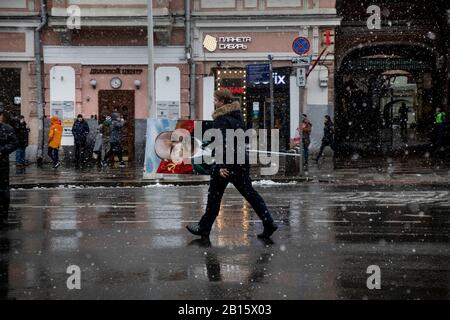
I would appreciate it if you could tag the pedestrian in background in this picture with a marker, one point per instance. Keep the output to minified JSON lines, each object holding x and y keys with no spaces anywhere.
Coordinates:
{"x":115,"y":148}
{"x":328,"y":137}
{"x":228,"y":116}
{"x":54,"y":140}
{"x":22,"y":133}
{"x":8,"y":144}
{"x":306,"y":127}
{"x":80,"y":131}
{"x":403,"y":114}
{"x":106,"y":134}
{"x":99,"y":143}
{"x":439,"y":123}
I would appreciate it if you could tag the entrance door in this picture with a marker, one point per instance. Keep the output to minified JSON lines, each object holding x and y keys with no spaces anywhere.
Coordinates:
{"x":121,"y":101}
{"x":10,"y":88}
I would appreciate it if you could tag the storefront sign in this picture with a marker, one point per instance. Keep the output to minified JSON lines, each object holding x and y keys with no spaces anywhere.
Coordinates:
{"x":211,"y":43}
{"x":389,"y":64}
{"x":258,"y":73}
{"x":116,"y":71}
{"x":279,"y":79}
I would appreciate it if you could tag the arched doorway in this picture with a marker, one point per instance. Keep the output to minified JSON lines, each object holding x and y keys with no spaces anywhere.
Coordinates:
{"x":386,"y":95}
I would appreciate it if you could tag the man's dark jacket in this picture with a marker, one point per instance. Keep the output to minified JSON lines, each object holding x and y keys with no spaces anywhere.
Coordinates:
{"x":8,"y":144}
{"x":80,"y":132}
{"x":22,"y":133}
{"x":229,"y":116}
{"x":328,"y":132}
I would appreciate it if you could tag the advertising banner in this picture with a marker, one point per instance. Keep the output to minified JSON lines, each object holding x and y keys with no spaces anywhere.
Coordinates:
{"x":171,"y":147}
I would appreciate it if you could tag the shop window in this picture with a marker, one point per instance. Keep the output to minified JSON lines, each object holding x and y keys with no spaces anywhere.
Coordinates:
{"x":284,"y":3}
{"x":208,"y":4}
{"x":251,"y":3}
{"x":13,"y":4}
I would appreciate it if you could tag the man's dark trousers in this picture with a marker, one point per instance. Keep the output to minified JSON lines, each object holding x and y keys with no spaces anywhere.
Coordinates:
{"x":240,"y":178}
{"x":4,"y":192}
{"x":80,"y":152}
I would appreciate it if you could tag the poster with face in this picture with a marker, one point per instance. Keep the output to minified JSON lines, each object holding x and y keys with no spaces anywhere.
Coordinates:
{"x":172,"y":147}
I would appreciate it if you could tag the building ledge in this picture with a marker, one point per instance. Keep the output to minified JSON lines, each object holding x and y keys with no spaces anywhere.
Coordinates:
{"x":268,"y":12}
{"x":130,"y":13}
{"x":268,"y":21}
{"x":19,"y":22}
{"x":160,"y":21}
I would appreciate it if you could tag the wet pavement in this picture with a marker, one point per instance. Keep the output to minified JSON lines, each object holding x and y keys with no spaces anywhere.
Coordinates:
{"x":130,"y":243}
{"x":415,"y":171}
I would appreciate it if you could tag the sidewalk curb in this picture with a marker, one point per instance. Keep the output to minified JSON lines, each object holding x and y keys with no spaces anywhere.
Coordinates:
{"x":140,"y":184}
{"x":308,"y":180}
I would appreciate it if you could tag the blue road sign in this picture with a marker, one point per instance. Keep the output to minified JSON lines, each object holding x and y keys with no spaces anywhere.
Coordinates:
{"x":301,"y":45}
{"x":258,"y":73}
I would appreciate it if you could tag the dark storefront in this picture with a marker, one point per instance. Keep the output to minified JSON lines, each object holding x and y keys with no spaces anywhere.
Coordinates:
{"x":10,"y":90}
{"x":401,"y":66}
{"x":255,"y":99}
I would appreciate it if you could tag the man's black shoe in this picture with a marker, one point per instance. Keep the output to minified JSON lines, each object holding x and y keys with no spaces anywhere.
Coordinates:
{"x":195,"y":230}
{"x":268,"y":231}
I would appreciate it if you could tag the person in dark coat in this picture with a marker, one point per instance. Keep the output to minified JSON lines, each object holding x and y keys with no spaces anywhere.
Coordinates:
{"x":228,"y":116}
{"x":8,"y":144}
{"x":115,"y":137}
{"x":328,"y":137}
{"x":403,"y":114}
{"x":22,"y":133}
{"x":80,"y":131}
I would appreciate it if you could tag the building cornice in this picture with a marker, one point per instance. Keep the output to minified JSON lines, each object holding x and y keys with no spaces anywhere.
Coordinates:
{"x":268,"y":22}
{"x":19,"y":22}
{"x":274,"y":13}
{"x":165,"y":21}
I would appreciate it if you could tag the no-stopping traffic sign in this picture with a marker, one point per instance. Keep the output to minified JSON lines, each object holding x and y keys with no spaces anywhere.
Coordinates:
{"x":301,"y":45}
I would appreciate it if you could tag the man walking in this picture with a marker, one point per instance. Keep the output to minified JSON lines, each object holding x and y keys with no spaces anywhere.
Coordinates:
{"x":328,"y":137}
{"x":8,"y":144}
{"x":22,"y":133}
{"x":439,"y":123}
{"x":403,"y":114}
{"x":115,"y":138}
{"x":227,"y":115}
{"x":80,"y":131}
